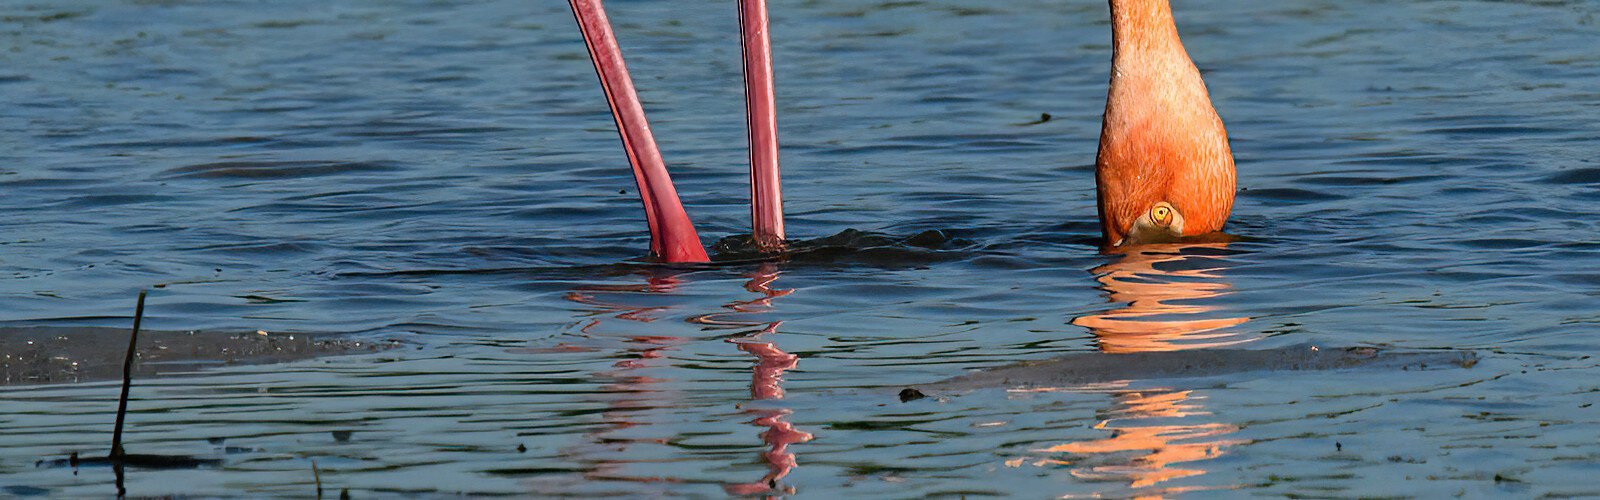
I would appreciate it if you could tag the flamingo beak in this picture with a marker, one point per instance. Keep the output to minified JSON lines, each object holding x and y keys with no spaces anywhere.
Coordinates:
{"x":1163,"y":223}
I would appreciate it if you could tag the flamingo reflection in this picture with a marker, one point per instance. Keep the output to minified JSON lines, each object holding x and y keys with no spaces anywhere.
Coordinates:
{"x":779,"y":433}
{"x":1143,"y":452}
{"x":629,"y":395}
{"x":766,"y":381}
{"x":1151,"y":294}
{"x":1153,"y":434}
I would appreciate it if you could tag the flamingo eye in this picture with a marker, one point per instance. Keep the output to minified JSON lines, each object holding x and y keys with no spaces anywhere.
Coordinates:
{"x":1161,"y":215}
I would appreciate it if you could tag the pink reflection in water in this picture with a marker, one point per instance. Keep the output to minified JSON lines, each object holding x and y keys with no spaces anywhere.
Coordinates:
{"x":766,"y":383}
{"x":629,"y":394}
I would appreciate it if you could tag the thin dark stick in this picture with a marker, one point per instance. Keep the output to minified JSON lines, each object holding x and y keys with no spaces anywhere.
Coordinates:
{"x":318,"y":476}
{"x":116,"y":468}
{"x":127,"y":381}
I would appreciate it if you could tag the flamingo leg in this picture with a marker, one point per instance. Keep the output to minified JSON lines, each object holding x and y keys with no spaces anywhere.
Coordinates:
{"x":766,"y":198}
{"x":672,"y":234}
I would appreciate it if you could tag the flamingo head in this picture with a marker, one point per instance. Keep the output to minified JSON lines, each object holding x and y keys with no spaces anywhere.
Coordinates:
{"x":1162,"y":223}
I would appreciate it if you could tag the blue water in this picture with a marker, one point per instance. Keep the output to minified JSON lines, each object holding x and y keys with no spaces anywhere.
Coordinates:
{"x":1419,"y":175}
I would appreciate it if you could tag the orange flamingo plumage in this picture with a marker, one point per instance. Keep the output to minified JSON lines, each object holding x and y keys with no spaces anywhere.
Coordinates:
{"x":1164,"y":170}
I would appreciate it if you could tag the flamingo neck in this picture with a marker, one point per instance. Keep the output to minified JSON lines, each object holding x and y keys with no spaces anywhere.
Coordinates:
{"x":766,"y":198}
{"x":672,"y":235}
{"x":1138,"y":25}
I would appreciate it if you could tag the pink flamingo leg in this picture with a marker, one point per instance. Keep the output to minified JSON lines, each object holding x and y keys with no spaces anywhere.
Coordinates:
{"x":672,"y":235}
{"x":766,"y":197}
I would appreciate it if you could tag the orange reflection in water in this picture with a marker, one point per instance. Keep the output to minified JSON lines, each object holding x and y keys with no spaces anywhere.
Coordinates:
{"x":1148,"y":454}
{"x":1151,"y":292}
{"x":1153,"y":434}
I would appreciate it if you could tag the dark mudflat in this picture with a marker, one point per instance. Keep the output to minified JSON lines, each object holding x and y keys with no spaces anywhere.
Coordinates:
{"x":48,"y":355}
{"x":1097,"y":368}
{"x":132,"y":460}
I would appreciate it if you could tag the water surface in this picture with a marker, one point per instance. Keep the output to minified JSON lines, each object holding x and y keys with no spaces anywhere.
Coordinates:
{"x":1415,"y":175}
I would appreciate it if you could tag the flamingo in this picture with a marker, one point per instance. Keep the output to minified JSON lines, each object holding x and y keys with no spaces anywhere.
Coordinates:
{"x":1164,"y":170}
{"x":673,"y":238}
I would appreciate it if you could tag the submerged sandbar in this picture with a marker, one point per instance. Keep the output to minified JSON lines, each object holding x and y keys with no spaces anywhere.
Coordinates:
{"x":1097,"y":368}
{"x":53,"y":355}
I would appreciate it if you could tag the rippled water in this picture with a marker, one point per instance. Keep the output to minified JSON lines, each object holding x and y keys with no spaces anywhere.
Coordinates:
{"x":1415,"y":174}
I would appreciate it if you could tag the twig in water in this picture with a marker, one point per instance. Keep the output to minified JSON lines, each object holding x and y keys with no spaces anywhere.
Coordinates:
{"x":116,"y":468}
{"x":127,"y":381}
{"x":318,"y":476}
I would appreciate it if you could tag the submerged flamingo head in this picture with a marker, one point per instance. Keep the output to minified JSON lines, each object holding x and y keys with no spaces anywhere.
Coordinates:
{"x":1164,"y":170}
{"x":1162,"y":223}
{"x":1164,"y":201}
